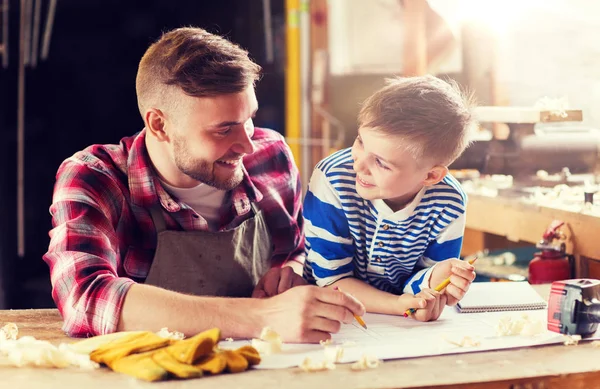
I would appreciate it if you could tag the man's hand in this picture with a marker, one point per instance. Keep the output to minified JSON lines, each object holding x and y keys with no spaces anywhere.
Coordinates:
{"x":309,"y":314}
{"x":428,"y":303}
{"x":276,"y":281}
{"x":461,"y":275}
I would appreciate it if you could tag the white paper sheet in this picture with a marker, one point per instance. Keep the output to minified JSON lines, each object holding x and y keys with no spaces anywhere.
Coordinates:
{"x":396,"y":337}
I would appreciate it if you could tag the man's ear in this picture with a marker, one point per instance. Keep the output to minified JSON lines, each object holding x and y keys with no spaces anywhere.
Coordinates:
{"x":155,"y":123}
{"x":435,"y":175}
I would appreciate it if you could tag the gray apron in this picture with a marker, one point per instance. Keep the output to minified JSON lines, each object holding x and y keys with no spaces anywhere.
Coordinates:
{"x":227,"y":263}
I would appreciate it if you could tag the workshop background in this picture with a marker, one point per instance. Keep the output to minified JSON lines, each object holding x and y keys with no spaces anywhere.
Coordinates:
{"x":67,"y":80}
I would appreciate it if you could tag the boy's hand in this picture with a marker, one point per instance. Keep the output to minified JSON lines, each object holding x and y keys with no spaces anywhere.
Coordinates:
{"x":429,"y":304}
{"x":461,"y":275}
{"x":276,"y":281}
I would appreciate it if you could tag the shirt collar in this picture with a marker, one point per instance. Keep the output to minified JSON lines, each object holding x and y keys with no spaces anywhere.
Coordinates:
{"x":146,"y":190}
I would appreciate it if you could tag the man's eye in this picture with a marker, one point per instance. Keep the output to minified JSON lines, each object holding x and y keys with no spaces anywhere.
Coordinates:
{"x":225,"y":131}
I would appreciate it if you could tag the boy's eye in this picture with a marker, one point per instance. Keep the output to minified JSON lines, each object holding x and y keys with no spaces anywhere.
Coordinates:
{"x":380,"y":164}
{"x":359,"y":140}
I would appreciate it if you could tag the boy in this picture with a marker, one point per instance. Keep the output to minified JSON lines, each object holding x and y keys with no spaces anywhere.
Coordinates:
{"x":384,"y":219}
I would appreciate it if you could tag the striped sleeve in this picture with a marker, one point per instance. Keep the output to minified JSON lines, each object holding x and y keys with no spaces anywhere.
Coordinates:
{"x":446,"y":245}
{"x":330,"y":248}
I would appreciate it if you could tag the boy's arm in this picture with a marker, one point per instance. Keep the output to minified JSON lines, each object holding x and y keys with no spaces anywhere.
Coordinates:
{"x":330,"y":248}
{"x":378,"y":301}
{"x":446,"y":245}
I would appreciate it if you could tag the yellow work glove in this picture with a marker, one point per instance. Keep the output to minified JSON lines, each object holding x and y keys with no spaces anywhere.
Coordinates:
{"x":149,"y":357}
{"x":234,"y":361}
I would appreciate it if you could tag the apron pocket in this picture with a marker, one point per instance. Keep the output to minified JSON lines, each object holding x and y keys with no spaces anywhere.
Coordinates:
{"x":137,"y":262}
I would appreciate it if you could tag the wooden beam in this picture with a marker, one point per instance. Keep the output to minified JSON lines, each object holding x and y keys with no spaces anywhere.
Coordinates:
{"x":414,"y":61}
{"x":319,"y":50}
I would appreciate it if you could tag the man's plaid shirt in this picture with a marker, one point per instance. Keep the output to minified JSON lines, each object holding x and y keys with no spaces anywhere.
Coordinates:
{"x":103,"y":238}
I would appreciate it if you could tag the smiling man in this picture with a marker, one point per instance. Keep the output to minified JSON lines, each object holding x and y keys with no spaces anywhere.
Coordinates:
{"x":179,"y":224}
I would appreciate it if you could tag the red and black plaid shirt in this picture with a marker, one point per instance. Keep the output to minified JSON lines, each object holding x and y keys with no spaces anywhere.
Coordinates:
{"x":104,"y":239}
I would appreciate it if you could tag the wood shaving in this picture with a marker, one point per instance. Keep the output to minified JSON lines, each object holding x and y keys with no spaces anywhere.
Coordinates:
{"x":165,"y":333}
{"x":9,"y":332}
{"x":28,"y":351}
{"x":229,"y":339}
{"x":269,"y":342}
{"x":572,"y":340}
{"x":523,"y":325}
{"x":366,"y":362}
{"x":596,"y":343}
{"x":334,"y":353}
{"x":325,"y":342}
{"x":466,"y":341}
{"x":310,"y":367}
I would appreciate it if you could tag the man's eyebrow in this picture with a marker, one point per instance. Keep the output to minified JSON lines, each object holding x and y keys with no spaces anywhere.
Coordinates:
{"x":230,"y":123}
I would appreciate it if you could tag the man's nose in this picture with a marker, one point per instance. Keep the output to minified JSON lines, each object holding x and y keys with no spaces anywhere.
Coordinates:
{"x":244,"y":143}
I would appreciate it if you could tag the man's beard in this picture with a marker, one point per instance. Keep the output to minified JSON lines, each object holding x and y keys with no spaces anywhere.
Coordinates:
{"x":203,"y":171}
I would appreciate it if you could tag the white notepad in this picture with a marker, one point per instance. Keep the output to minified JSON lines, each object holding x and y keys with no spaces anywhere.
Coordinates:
{"x":500,"y":296}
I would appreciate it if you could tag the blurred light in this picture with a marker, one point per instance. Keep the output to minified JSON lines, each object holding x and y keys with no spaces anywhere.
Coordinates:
{"x":498,"y":15}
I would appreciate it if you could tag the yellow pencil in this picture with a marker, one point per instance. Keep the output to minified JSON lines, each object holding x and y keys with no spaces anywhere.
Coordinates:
{"x":438,"y":288}
{"x":358,"y":318}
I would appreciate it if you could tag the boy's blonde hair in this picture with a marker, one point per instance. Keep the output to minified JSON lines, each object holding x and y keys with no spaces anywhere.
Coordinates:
{"x":433,"y":117}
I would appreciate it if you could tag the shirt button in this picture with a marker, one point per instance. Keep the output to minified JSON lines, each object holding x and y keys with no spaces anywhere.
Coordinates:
{"x":386,"y":227}
{"x":377,"y":259}
{"x":380,"y":244}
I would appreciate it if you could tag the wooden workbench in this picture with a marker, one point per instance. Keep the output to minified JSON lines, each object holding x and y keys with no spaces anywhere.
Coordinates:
{"x":521,"y":222}
{"x":544,"y":367}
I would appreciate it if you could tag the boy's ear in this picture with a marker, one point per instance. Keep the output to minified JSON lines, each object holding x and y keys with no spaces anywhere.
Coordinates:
{"x":155,"y":123}
{"x":435,"y":175}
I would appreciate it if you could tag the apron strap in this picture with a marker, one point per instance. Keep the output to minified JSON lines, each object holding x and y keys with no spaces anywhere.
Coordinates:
{"x":157,"y":218}
{"x":255,"y":208}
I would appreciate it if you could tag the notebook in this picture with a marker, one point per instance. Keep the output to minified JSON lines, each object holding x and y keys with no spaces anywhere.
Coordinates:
{"x":500,"y":296}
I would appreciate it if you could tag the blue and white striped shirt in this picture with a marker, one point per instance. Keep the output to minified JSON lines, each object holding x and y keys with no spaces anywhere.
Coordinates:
{"x":347,"y":235}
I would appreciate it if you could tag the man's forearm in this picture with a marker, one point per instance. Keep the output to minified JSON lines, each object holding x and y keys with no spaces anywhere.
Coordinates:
{"x":374,"y":300}
{"x":150,"y":308}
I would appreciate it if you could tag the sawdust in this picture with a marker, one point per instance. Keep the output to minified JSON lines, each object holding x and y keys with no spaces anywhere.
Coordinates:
{"x":325,"y":342}
{"x":334,"y":353}
{"x":229,"y":339}
{"x":465,"y":341}
{"x":174,"y":335}
{"x":269,"y":343}
{"x":311,"y":367}
{"x":524,"y":325}
{"x":29,"y":351}
{"x":366,"y":362}
{"x":596,"y":343}
{"x":10,"y":331}
{"x":572,"y":340}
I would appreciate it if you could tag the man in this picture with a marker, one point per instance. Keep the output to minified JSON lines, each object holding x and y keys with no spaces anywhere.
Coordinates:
{"x":198,"y":204}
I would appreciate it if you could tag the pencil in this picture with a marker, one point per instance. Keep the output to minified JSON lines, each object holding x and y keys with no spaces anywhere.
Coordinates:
{"x":358,"y":318}
{"x":438,"y":288}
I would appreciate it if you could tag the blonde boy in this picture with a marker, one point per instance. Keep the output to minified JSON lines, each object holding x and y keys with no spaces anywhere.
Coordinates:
{"x":384,"y":219}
